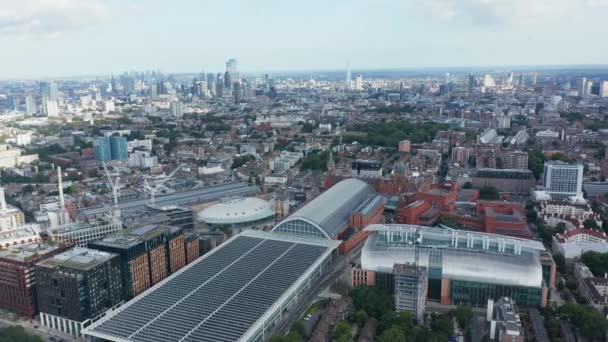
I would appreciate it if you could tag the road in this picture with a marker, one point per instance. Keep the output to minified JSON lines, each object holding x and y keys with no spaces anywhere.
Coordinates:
{"x":478,"y":328}
{"x":188,"y":198}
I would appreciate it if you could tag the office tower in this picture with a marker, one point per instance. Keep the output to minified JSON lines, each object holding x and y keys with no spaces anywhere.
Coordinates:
{"x":582,"y":86}
{"x":118,"y":148}
{"x":102,"y":149}
{"x":237,"y":92}
{"x":10,"y":103}
{"x":359,"y":83}
{"x":562,"y":180}
{"x":148,"y":255}
{"x":49,"y":91}
{"x":471,"y":84}
{"x":488,"y":81}
{"x":348,"y":81}
{"x":534,"y":78}
{"x":161,"y":89}
{"x":18,"y":285}
{"x":210,"y":78}
{"x":410,"y":284}
{"x":176,"y":109}
{"x":588,"y":87}
{"x":522,"y":80}
{"x":30,"y":104}
{"x":76,"y":286}
{"x":232,"y":69}
{"x":128,"y":83}
{"x":113,"y":84}
{"x":219,"y":85}
{"x":195,"y":89}
{"x":203,"y":88}
{"x":604,"y":89}
{"x":510,"y":79}
{"x":515,"y":160}
{"x":227,"y":80}
{"x":154,"y":91}
{"x":51,"y":108}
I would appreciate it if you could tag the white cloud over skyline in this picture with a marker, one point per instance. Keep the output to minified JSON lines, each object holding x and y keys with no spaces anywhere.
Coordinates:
{"x":42,"y":38}
{"x":49,"y":17}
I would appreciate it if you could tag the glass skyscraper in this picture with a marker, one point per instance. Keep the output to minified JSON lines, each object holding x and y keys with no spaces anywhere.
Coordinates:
{"x":111,"y":148}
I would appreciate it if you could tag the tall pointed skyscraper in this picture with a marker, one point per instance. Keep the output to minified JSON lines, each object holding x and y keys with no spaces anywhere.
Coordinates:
{"x":349,"y":81}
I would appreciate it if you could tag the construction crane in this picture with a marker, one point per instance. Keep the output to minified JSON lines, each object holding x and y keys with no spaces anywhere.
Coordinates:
{"x":153,"y":189}
{"x":115,"y":186}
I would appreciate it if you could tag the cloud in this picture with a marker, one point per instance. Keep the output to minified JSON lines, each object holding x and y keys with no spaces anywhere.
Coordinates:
{"x":49,"y":17}
{"x":507,"y":12}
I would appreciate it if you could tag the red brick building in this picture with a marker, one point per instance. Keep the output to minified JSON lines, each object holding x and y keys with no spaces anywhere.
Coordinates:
{"x":17,"y":278}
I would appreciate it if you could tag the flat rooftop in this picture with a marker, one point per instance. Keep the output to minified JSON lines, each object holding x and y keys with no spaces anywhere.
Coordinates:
{"x":78,"y":258}
{"x":131,"y":237}
{"x":228,"y":294}
{"x":31,"y":250}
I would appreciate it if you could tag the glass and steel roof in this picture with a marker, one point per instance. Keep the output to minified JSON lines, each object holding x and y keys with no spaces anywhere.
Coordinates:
{"x":331,"y":210}
{"x":222,"y":296}
{"x":463,"y":255}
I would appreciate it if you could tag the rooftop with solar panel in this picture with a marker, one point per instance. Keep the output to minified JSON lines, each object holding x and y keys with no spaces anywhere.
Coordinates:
{"x":235,"y":292}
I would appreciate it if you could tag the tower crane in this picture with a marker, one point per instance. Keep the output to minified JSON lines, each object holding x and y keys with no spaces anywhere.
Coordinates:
{"x":152,"y":189}
{"x":115,"y":186}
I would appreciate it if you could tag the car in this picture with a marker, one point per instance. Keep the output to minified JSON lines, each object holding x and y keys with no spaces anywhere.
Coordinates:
{"x":307,"y":318}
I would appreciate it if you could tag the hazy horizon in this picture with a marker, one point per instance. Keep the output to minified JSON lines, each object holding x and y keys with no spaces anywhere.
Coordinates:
{"x":71,"y":38}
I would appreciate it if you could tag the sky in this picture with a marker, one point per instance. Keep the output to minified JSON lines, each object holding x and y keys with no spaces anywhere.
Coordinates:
{"x":56,"y":38}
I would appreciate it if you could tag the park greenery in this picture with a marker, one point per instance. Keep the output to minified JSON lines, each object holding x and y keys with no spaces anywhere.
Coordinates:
{"x":397,"y":327}
{"x":315,"y":160}
{"x":536,"y":161}
{"x":390,"y":133}
{"x":240,"y":161}
{"x":586,"y":319}
{"x":597,"y":262}
{"x":572,"y":116}
{"x":488,"y":192}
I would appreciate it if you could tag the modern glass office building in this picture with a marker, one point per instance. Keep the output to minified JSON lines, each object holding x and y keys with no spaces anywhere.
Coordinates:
{"x":563,"y":180}
{"x":463,"y":267}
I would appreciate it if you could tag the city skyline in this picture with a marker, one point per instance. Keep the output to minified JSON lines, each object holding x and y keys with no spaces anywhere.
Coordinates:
{"x":97,"y":37}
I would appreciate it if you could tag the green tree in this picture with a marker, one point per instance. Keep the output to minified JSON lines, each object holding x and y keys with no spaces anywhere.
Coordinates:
{"x":343,"y":331}
{"x":590,"y":322}
{"x":299,"y":327}
{"x":597,"y":262}
{"x":393,"y":334}
{"x":536,"y":161}
{"x":463,"y":315}
{"x":560,"y":262}
{"x":591,"y":224}
{"x":374,"y":300}
{"x":359,"y":317}
{"x":488,"y":192}
{"x":560,"y":227}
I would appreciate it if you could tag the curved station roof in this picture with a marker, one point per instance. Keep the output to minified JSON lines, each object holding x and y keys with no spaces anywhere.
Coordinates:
{"x":236,"y":210}
{"x":326,"y":215}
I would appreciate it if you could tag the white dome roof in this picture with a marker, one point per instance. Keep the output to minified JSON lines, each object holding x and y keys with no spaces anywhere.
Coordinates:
{"x":236,"y":210}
